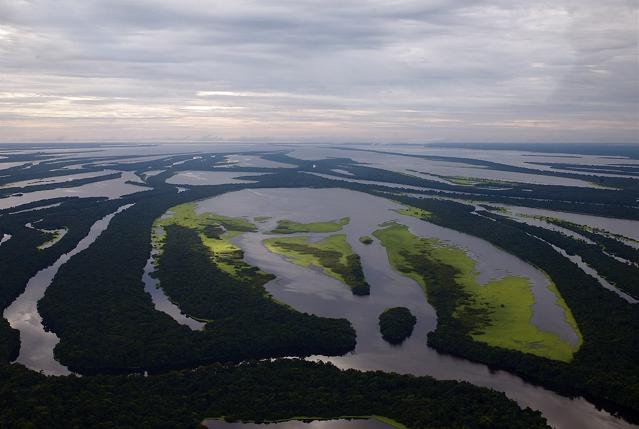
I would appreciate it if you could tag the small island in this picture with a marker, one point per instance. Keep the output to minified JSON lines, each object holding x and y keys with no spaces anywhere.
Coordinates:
{"x":333,"y":255}
{"x":413,"y":212}
{"x":289,"y":227}
{"x":396,"y":324}
{"x":366,"y":239}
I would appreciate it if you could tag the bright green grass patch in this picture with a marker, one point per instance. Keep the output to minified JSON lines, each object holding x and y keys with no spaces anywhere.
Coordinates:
{"x":289,"y":227}
{"x":499,"y":312}
{"x":473,"y":181}
{"x":414,"y":212}
{"x":333,"y":255}
{"x":215,"y":231}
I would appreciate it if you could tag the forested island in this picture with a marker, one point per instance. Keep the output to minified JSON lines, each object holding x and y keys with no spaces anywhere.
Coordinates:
{"x":396,"y":324}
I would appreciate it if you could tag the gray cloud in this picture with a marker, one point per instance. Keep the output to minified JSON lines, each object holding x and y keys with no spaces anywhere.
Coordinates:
{"x":308,"y":70}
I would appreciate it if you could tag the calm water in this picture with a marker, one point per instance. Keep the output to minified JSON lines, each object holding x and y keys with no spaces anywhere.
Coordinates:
{"x":161,"y":301}
{"x":428,"y":168}
{"x":114,"y":188}
{"x":310,"y":291}
{"x":210,"y":177}
{"x":57,"y":179}
{"x":625,"y":227}
{"x":575,"y":258}
{"x":36,"y":343}
{"x":294,"y":424}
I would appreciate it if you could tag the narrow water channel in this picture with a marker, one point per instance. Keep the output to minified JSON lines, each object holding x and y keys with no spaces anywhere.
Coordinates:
{"x":36,"y":343}
{"x":161,"y":301}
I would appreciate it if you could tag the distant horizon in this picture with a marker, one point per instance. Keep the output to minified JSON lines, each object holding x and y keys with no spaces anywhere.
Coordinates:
{"x":302,"y":142}
{"x":361,"y":70}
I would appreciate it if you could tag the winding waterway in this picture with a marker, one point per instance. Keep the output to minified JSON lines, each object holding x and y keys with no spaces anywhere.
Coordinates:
{"x":36,"y":343}
{"x":161,"y":301}
{"x":310,"y":291}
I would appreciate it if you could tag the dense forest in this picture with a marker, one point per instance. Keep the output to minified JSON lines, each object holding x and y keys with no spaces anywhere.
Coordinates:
{"x":255,"y":391}
{"x":107,"y":323}
{"x":20,"y":258}
{"x":609,"y":244}
{"x":396,"y":324}
{"x":621,"y":274}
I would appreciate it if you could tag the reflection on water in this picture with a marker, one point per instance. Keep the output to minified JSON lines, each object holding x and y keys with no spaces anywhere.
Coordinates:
{"x":428,"y":168}
{"x":161,"y":302}
{"x":627,"y":228}
{"x":576,"y":259}
{"x":310,"y":291}
{"x":296,"y":424}
{"x":36,"y":344}
{"x":210,"y":177}
{"x":57,"y":179}
{"x":114,"y":188}
{"x":253,"y":161}
{"x":5,"y":238}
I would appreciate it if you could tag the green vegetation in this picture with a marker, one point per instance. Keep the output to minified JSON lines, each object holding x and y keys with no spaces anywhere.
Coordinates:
{"x":289,"y":227}
{"x":214,"y":230}
{"x":396,"y":324}
{"x":602,"y":238}
{"x":480,"y":183}
{"x":414,"y":212}
{"x":253,"y":391}
{"x":20,"y":258}
{"x":366,"y":239}
{"x":107,"y":323}
{"x":604,"y":369}
{"x":390,"y":422}
{"x":620,"y":274}
{"x":497,"y":313}
{"x":261,"y":219}
{"x":617,"y":203}
{"x":332,"y":254}
{"x":53,"y":236}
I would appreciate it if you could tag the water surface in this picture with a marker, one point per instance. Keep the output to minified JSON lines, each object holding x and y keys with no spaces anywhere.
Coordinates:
{"x":296,"y":424}
{"x":36,"y":343}
{"x":311,"y":291}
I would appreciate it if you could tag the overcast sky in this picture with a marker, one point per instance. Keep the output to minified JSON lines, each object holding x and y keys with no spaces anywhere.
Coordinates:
{"x":329,"y":70}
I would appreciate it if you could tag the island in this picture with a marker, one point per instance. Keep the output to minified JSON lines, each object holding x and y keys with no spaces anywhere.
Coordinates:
{"x":396,"y":324}
{"x":333,"y":255}
{"x":366,"y":239}
{"x":290,"y":227}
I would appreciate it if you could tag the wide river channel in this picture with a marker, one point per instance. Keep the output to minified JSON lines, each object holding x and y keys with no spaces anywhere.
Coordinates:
{"x":309,"y":290}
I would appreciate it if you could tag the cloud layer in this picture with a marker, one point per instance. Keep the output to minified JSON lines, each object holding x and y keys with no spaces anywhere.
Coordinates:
{"x":403,"y":70}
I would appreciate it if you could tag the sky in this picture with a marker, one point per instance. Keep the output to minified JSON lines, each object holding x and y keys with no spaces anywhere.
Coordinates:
{"x":319,"y":71}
